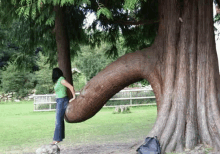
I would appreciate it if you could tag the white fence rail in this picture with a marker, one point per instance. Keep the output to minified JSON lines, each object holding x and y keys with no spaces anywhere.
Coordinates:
{"x":48,"y":102}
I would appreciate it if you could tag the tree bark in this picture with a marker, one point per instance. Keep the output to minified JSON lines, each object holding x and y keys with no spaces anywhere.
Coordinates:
{"x":217,"y":9}
{"x":63,"y":47}
{"x":181,"y":66}
{"x":121,"y":73}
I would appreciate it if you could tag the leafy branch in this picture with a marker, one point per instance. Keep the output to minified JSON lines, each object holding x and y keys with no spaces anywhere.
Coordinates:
{"x":103,"y":10}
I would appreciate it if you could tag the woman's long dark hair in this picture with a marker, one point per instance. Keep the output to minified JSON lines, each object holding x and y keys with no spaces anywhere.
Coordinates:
{"x":57,"y":73}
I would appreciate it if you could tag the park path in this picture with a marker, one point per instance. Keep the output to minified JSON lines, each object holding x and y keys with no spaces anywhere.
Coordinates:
{"x":123,"y":148}
{"x":90,"y":148}
{"x":128,"y":147}
{"x":111,"y":148}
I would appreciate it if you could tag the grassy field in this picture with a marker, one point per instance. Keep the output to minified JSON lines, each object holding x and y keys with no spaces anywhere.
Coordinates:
{"x":20,"y":127}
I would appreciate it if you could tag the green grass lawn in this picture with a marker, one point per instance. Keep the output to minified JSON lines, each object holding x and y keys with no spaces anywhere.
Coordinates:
{"x":21,"y":127}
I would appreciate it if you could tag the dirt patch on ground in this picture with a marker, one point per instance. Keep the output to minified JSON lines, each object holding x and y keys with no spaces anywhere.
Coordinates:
{"x":124,"y":148}
{"x":89,"y":148}
{"x":111,"y":148}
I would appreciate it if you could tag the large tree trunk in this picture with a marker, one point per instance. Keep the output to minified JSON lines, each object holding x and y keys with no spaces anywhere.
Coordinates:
{"x":190,"y":113}
{"x":63,"y":47}
{"x":182,"y":68}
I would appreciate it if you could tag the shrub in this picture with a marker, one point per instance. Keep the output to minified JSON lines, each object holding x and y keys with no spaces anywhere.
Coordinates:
{"x":44,"y":77}
{"x":18,"y":81}
{"x":79,"y":81}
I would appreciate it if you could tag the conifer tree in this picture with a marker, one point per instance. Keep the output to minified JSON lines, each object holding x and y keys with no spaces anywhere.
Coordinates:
{"x":40,"y":19}
{"x":182,"y":68}
{"x":181,"y":64}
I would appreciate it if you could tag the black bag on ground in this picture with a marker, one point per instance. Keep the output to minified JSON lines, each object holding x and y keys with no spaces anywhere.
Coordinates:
{"x":150,"y":146}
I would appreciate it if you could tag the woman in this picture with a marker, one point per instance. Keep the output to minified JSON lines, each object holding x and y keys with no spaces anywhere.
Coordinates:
{"x":60,"y":88}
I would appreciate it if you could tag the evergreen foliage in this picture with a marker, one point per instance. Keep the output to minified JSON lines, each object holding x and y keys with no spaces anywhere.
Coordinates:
{"x":129,"y":20}
{"x":103,"y":10}
{"x":17,"y":52}
{"x":130,"y":4}
{"x":122,"y":14}
{"x":20,"y":82}
{"x":5,"y":50}
{"x":92,"y":61}
{"x":136,"y":21}
{"x":43,"y":76}
{"x":217,"y":18}
{"x":17,"y":46}
{"x":79,"y":81}
{"x":34,"y":27}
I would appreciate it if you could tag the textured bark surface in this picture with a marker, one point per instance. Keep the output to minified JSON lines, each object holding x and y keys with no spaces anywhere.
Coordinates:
{"x":182,"y":68}
{"x":63,"y":47}
{"x":121,"y":73}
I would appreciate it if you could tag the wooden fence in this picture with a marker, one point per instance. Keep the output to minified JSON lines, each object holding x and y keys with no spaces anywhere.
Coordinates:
{"x":48,"y":102}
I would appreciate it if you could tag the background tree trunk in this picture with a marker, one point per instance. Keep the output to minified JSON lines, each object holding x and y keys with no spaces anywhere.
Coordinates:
{"x":217,"y":9}
{"x":217,"y":4}
{"x":182,"y":68}
{"x":63,"y":47}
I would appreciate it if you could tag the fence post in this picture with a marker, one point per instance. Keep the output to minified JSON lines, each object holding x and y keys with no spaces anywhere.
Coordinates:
{"x":34,"y":103}
{"x":130,"y":98}
{"x":50,"y":102}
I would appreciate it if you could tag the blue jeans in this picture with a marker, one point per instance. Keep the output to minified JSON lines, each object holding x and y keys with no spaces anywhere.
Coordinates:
{"x":59,"y":133}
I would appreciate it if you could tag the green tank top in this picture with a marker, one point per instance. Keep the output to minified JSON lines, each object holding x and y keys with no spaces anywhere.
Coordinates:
{"x":60,"y":89}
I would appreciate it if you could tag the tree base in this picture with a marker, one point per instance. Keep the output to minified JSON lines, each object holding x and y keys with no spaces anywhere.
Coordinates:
{"x":199,"y":149}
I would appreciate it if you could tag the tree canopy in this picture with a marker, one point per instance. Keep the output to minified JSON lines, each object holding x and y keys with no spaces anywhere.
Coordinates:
{"x":135,"y":21}
{"x":137,"y":25}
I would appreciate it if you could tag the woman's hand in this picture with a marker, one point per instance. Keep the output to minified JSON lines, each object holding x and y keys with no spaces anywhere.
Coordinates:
{"x":72,"y":98}
{"x":66,"y":84}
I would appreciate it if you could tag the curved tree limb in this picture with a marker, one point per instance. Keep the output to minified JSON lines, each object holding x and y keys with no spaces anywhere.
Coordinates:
{"x":128,"y":69}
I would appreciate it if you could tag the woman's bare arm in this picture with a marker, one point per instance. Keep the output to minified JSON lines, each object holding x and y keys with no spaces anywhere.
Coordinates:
{"x":71,"y":88}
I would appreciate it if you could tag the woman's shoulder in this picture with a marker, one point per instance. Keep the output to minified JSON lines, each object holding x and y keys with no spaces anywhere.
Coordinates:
{"x":61,"y":78}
